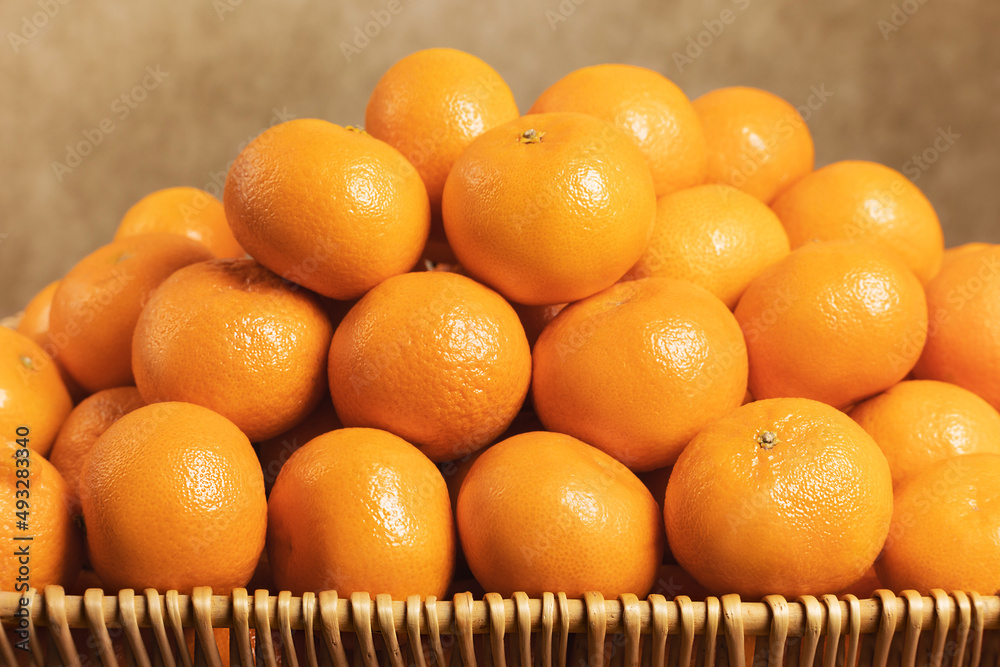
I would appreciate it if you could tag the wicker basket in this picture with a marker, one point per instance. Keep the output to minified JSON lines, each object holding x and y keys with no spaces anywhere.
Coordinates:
{"x":951,"y":630}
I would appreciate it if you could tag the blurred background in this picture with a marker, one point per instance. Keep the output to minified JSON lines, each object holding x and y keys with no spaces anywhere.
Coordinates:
{"x":105,"y":101}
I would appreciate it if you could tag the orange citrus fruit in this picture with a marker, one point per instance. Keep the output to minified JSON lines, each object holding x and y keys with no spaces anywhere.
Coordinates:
{"x":85,"y":424}
{"x":919,"y":422}
{"x":34,"y":324}
{"x":836,"y":321}
{"x":715,"y":236}
{"x":32,"y":395}
{"x":865,"y":587}
{"x":960,"y":252}
{"x":187,"y":211}
{"x":535,"y":318}
{"x":173,"y":498}
{"x":945,"y":523}
{"x":430,"y":105}
{"x":456,"y":471}
{"x":33,"y":491}
{"x":546,"y":512}
{"x":262,"y":577}
{"x":330,"y":208}
{"x":757,"y":142}
{"x":785,"y":496}
{"x":435,"y":358}
{"x":963,"y":342}
{"x":638,"y":369}
{"x":646,"y":106}
{"x":232,"y":336}
{"x":360,"y":509}
{"x":549,"y":208}
{"x":864,"y":201}
{"x":97,"y":303}
{"x":274,"y":452}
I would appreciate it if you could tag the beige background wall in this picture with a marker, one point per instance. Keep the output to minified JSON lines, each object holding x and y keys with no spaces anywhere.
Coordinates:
{"x":231,"y":65}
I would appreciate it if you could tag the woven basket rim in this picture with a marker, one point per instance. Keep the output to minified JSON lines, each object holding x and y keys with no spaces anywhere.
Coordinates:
{"x":53,"y":607}
{"x":827,"y":623}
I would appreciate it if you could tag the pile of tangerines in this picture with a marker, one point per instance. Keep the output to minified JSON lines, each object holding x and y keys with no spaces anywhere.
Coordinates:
{"x":624,"y":343}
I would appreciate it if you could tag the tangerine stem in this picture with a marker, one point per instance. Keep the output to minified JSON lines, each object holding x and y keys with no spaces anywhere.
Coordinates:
{"x":768,"y":439}
{"x":531,"y":136}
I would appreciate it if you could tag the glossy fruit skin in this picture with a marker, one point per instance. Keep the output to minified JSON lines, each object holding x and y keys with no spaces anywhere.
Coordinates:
{"x":919,"y":422}
{"x":757,"y":142}
{"x":546,"y":512}
{"x":714,"y":236}
{"x":554,"y":218}
{"x":32,"y":394}
{"x":835,"y":321}
{"x":34,"y":324}
{"x":646,"y":106}
{"x":85,"y":424}
{"x":857,"y":200}
{"x":98,"y":302}
{"x":274,"y":452}
{"x":360,"y":509}
{"x":430,"y":105}
{"x":963,"y":342}
{"x":234,"y":337}
{"x":435,"y":358}
{"x":173,"y":498}
{"x":638,"y":369}
{"x":55,"y":549}
{"x":808,"y":515}
{"x":186,"y":211}
{"x":455,"y":472}
{"x":330,"y":208}
{"x":945,"y":530}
